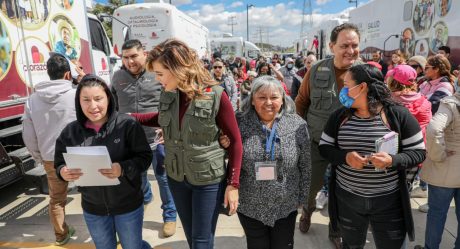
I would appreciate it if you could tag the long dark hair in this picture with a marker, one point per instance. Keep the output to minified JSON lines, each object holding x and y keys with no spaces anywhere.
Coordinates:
{"x":261,"y":65}
{"x":378,"y":92}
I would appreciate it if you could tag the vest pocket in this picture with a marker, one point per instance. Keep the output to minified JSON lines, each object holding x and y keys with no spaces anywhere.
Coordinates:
{"x":207,"y":168}
{"x":171,"y":164}
{"x":165,"y":122}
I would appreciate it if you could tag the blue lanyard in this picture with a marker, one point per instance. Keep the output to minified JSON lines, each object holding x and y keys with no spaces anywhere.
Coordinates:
{"x":270,"y":143}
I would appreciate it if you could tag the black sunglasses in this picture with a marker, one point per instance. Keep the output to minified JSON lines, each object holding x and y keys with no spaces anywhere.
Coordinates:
{"x":415,"y":66}
{"x":215,"y":67}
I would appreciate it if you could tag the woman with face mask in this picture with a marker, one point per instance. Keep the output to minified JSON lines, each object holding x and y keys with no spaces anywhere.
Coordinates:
{"x":369,"y":186}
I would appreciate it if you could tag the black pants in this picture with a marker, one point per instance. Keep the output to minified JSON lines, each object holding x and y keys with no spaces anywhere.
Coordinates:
{"x":260,"y":236}
{"x":384,"y":214}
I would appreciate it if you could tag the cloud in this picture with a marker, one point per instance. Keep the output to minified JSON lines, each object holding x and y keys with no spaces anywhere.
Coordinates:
{"x":322,"y":2}
{"x":180,"y":2}
{"x":278,"y":24}
{"x":236,"y":4}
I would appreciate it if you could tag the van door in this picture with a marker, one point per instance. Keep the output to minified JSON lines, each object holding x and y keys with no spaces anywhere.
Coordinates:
{"x":101,"y":51}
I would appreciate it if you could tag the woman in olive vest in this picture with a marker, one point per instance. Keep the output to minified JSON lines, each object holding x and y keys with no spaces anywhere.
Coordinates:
{"x":193,"y":111}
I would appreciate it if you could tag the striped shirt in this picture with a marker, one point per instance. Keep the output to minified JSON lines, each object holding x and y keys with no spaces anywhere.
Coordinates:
{"x":359,"y":134}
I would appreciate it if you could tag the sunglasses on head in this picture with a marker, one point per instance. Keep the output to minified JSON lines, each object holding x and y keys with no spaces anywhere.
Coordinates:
{"x":215,"y":67}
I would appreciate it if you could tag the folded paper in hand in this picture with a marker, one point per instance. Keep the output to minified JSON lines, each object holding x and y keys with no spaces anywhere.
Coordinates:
{"x":388,"y":143}
{"x":90,"y":159}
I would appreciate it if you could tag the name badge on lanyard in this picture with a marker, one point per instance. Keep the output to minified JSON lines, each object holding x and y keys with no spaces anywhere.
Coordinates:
{"x":266,"y":171}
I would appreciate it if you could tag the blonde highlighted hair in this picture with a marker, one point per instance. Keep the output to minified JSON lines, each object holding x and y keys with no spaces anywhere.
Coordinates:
{"x":184,"y":65}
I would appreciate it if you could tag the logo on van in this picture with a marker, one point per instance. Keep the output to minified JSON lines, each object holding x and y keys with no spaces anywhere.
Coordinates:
{"x":104,"y":64}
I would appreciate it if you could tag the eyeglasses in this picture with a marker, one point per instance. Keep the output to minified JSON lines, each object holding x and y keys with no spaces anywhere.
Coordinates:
{"x":415,"y":66}
{"x":216,"y":67}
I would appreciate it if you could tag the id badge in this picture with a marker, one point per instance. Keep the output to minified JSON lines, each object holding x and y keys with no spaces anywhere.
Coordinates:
{"x":265,"y":171}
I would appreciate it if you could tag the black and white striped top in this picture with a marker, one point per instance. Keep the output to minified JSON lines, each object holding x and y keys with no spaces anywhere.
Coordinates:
{"x":359,"y":134}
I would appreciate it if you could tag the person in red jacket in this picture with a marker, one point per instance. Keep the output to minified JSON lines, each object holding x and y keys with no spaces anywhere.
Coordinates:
{"x":403,"y":85}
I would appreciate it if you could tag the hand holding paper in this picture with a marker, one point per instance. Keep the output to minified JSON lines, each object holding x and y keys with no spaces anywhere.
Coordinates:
{"x":112,"y":173}
{"x":70,"y":175}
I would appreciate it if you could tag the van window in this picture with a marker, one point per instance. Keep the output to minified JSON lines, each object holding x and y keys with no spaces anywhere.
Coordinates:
{"x":407,"y":15}
{"x":98,"y":38}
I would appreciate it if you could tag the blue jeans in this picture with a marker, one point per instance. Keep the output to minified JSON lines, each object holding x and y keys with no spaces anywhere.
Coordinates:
{"x":146,"y":188}
{"x":128,"y":226}
{"x":167,"y":201}
{"x":198,"y":209}
{"x":439,"y":199}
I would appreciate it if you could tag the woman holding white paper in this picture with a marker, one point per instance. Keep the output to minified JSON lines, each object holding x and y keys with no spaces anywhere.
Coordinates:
{"x":369,"y":186}
{"x":108,"y":210}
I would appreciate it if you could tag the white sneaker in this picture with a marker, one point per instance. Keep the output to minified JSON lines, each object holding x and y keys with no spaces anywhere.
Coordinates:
{"x":424,"y":208}
{"x":419,"y":193}
{"x":321,"y":200}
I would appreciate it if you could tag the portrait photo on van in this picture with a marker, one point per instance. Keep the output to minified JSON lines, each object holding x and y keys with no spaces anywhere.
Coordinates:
{"x":439,"y":36}
{"x":423,"y":16}
{"x":5,"y":51}
{"x":66,"y":4}
{"x":64,"y":37}
{"x":407,"y":41}
{"x":33,"y":13}
{"x":443,"y":7}
{"x":422,"y":48}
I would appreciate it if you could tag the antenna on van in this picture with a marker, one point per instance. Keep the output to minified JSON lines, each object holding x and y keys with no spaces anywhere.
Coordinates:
{"x":384,"y":43}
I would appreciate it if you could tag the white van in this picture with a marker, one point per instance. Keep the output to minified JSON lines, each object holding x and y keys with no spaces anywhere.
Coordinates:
{"x":416,"y":27}
{"x":153,"y":23}
{"x":25,"y":45}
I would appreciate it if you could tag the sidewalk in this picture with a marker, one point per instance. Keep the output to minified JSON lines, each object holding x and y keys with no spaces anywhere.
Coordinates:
{"x":24,"y":224}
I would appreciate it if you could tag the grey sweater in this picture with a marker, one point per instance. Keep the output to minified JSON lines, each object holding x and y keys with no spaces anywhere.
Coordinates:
{"x":139,"y":95}
{"x":268,"y":201}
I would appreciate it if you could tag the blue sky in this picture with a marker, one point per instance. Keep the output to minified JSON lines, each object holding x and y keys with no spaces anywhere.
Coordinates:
{"x":278,"y":22}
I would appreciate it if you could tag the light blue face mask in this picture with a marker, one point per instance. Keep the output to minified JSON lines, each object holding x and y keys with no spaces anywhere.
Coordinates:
{"x":346,"y":100}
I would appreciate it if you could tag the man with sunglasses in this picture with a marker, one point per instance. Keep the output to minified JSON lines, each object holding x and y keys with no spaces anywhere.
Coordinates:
{"x":418,"y":63}
{"x":136,"y":91}
{"x":51,"y":105}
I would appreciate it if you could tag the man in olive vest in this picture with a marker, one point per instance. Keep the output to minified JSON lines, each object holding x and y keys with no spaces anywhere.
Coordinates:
{"x":318,"y":97}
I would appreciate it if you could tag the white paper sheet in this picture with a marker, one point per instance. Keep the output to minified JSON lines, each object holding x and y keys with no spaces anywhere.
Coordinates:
{"x":388,"y":144}
{"x":90,"y":159}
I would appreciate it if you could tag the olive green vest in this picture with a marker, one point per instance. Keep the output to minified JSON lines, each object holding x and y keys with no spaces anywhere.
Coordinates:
{"x":192,"y":151}
{"x":324,"y":96}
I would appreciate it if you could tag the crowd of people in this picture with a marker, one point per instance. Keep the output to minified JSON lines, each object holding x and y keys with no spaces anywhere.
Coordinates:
{"x":260,"y":139}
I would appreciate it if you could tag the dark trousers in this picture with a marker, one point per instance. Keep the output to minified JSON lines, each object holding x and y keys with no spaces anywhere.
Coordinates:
{"x":260,"y":236}
{"x":384,"y":214}
{"x":318,"y":169}
{"x":198,"y":209}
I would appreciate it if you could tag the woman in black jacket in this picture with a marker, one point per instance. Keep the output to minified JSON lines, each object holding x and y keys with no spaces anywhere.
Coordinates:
{"x":369,"y":186}
{"x":116,"y":209}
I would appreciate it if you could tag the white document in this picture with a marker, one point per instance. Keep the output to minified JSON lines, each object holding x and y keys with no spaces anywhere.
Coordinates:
{"x":90,"y":159}
{"x":388,"y":143}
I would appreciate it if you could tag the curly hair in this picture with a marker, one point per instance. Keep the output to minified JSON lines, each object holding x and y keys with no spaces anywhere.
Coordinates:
{"x":184,"y":65}
{"x":378,"y":92}
{"x":442,"y":63}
